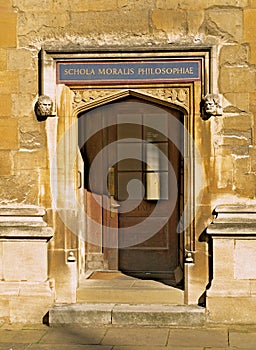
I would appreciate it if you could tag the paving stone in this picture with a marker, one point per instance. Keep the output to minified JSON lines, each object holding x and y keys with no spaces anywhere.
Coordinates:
{"x":132,"y":347}
{"x":196,"y":337}
{"x":146,"y":347}
{"x":74,"y":335}
{"x":12,"y":346}
{"x":242,"y":339}
{"x":21,"y":336}
{"x":136,"y":336}
{"x":67,"y":347}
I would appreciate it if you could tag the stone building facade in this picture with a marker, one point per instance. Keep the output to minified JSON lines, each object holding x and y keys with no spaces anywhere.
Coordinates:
{"x":47,"y":242}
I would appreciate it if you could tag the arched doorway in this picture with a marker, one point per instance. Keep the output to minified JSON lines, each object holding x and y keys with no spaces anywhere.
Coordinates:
{"x":133,"y":155}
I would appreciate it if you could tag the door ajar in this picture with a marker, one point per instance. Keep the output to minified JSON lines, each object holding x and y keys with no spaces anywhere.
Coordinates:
{"x":137,"y":153}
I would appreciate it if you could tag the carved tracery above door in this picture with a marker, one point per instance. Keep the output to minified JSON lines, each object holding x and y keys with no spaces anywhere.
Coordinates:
{"x":91,"y":97}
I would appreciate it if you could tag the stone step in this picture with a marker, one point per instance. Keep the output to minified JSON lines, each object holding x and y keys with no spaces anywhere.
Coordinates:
{"x":132,"y":296}
{"x":128,"y":291}
{"x":124,"y":314}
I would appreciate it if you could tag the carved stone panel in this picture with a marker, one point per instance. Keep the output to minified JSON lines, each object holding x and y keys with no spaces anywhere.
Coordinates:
{"x":174,"y":95}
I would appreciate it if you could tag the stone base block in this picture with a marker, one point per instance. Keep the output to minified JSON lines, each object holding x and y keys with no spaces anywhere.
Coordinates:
{"x":24,"y":302}
{"x":95,"y":261}
{"x":231,"y":310}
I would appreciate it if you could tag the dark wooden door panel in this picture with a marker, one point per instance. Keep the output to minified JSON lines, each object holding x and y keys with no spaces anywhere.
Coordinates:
{"x":158,"y":252}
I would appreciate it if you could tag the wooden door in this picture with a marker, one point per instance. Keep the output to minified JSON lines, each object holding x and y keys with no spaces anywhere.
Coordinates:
{"x":137,"y":138}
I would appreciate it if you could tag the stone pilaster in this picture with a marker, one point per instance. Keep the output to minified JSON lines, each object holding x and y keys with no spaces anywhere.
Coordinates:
{"x":232,"y":294}
{"x":25,"y":290}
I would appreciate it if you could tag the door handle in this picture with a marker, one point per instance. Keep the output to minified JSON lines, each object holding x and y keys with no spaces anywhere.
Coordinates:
{"x":111,"y":181}
{"x":111,"y":190}
{"x":113,"y":203}
{"x":79,"y":181}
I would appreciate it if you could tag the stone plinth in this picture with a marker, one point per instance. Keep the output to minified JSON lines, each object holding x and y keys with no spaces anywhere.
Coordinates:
{"x":232,"y":294}
{"x":25,"y":291}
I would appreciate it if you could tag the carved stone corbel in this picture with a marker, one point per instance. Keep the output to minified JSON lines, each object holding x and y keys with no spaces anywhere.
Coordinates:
{"x":211,"y":105}
{"x":44,"y":108}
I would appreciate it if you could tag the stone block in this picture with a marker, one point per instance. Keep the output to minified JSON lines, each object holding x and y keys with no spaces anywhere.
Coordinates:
{"x":28,"y":81}
{"x":234,"y":54}
{"x":225,"y":22}
{"x":195,"y":19}
{"x":8,"y":82}
{"x":59,"y":5}
{"x":31,"y":140}
{"x":241,"y":122}
{"x":25,"y":261}
{"x":20,"y":60}
{"x":239,"y":100}
{"x":223,"y":253}
{"x":253,"y":53}
{"x":21,"y":188}
{"x":8,"y":22}
{"x":237,"y":310}
{"x":253,"y":288}
{"x":9,"y":133}
{"x":237,"y":79}
{"x":245,"y":259}
{"x":184,"y":4}
{"x":4,"y":310}
{"x":101,"y":5}
{"x":3,"y":59}
{"x":6,"y":5}
{"x":32,"y":5}
{"x":5,"y":163}
{"x":242,"y":165}
{"x":22,"y":310}
{"x":29,"y":160}
{"x":5,"y":105}
{"x":244,"y":185}
{"x":170,"y":21}
{"x":230,"y":288}
{"x":116,"y":23}
{"x":24,"y":102}
{"x":252,"y":153}
{"x":236,"y":3}
{"x":81,"y":314}
{"x":252,"y":102}
{"x":224,"y":170}
{"x":249,"y":25}
{"x":132,"y":4}
{"x":161,"y":315}
{"x":47,"y":21}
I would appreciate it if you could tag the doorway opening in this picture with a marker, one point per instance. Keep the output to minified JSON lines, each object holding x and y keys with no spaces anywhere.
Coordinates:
{"x":134,"y":169}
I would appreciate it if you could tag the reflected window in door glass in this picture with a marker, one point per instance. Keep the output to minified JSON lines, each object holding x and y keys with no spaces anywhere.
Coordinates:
{"x":155,"y":127}
{"x":129,"y":156}
{"x":126,"y":183}
{"x":129,"y":126}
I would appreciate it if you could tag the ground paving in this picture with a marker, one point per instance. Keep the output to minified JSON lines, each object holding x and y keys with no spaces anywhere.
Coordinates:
{"x":78,"y":337}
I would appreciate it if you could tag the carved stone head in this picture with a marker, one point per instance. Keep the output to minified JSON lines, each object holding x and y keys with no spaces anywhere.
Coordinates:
{"x":43,"y":108}
{"x":211,"y":106}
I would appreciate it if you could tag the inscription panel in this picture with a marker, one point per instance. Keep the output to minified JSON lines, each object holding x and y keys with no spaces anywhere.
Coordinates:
{"x":138,"y":72}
